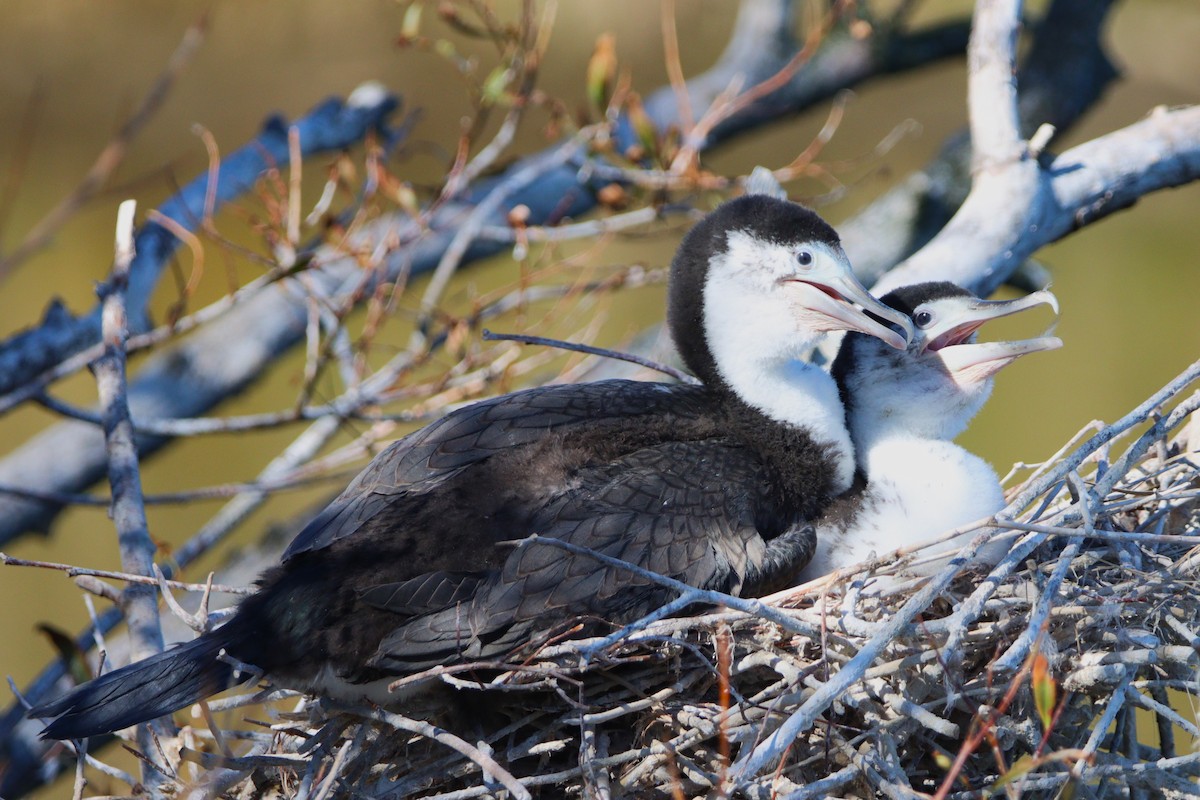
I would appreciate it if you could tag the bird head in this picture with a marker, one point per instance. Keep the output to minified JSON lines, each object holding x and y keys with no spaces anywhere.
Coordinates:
{"x":940,"y":381}
{"x":756,"y":284}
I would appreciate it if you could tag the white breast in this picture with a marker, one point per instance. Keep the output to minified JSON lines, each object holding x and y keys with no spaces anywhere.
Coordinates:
{"x":917,"y":489}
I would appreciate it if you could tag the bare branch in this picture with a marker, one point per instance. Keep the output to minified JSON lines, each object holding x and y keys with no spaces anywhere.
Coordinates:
{"x":128,"y":511}
{"x":128,"y":577}
{"x":1010,"y":217}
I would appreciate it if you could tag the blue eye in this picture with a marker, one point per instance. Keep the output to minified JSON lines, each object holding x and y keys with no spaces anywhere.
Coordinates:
{"x":922,"y":319}
{"x":804,"y":258}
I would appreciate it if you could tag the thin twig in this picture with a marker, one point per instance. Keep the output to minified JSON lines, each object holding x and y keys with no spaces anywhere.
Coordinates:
{"x":73,"y":571}
{"x":113,"y":153}
{"x":603,"y":352}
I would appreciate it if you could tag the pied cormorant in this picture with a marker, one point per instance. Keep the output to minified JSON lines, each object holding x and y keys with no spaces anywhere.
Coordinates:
{"x":414,"y":564}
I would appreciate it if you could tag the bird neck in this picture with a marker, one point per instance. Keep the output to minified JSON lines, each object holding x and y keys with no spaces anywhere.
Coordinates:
{"x":885,"y":424}
{"x":791,"y":397}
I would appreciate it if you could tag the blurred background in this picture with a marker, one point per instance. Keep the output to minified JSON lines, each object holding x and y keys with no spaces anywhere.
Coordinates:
{"x":71,"y":71}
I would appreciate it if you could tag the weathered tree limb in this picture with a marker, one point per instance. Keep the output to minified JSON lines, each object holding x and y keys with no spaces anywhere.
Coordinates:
{"x":1064,"y":74}
{"x":1021,"y":206}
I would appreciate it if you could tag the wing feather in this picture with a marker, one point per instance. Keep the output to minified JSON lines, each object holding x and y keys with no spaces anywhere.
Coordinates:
{"x":422,"y":461}
{"x":692,"y":525}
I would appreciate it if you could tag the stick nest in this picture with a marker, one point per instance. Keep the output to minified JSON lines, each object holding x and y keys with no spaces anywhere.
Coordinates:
{"x":1073,"y":662}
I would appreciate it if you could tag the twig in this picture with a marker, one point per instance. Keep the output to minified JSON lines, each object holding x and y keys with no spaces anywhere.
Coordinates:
{"x":113,"y":153}
{"x":485,"y":762}
{"x":575,"y":230}
{"x":674,"y":67}
{"x":603,"y":352}
{"x":73,"y":570}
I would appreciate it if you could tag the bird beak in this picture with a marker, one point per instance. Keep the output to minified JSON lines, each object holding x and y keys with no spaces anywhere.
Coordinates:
{"x":971,"y":362}
{"x":829,"y":306}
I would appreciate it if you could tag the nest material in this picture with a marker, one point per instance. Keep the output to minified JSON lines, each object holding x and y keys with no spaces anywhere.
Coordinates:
{"x":1073,"y":662}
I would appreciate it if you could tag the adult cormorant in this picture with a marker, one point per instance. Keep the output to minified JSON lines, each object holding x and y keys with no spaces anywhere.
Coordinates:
{"x":420,"y":561}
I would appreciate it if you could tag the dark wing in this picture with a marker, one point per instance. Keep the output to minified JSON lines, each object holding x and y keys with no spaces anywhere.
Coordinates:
{"x":686,"y":510}
{"x":429,"y":592}
{"x":467,"y":436}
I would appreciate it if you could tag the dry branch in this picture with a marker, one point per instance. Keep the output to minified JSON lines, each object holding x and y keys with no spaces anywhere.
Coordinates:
{"x":139,"y":602}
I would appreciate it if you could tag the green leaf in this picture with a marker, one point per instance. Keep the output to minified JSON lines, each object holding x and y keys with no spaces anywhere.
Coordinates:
{"x":1019,"y":769}
{"x":1045,"y":691}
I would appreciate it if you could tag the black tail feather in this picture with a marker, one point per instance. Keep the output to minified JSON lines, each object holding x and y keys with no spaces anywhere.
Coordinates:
{"x":141,"y":691}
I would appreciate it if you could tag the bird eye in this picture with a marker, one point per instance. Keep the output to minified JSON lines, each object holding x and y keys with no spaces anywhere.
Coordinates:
{"x":923,"y":319}
{"x":804,"y":258}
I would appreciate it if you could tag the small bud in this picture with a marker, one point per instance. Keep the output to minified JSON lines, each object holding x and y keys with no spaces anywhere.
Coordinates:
{"x":613,"y":196}
{"x":518,"y":216}
{"x":861,"y":29}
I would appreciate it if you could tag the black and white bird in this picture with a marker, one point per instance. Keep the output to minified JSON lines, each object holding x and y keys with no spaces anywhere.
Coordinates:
{"x":903,"y":410}
{"x":419,"y":561}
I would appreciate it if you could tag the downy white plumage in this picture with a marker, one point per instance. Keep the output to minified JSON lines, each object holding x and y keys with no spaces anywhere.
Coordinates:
{"x":903,"y":409}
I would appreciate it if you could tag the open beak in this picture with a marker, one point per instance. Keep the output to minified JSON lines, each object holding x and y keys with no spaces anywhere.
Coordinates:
{"x":975,"y":313}
{"x":829,"y":298}
{"x":970,"y":362}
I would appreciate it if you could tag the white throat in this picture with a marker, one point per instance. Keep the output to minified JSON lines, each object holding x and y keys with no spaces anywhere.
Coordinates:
{"x":757,"y":351}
